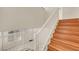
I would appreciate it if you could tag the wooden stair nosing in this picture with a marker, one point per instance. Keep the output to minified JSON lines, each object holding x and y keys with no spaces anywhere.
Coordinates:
{"x":67,"y":42}
{"x":59,"y":47}
{"x":64,"y":45}
{"x":68,"y":24}
{"x":67,"y":37}
{"x":67,"y":29}
{"x":67,"y":32}
{"x":51,"y":48}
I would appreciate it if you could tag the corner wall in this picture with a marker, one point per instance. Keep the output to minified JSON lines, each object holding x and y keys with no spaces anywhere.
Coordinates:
{"x":69,"y":12}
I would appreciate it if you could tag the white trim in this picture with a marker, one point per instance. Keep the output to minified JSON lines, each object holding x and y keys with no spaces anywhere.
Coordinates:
{"x":46,"y":22}
{"x":60,"y":13}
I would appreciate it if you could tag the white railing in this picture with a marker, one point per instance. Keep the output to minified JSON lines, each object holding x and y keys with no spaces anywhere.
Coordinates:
{"x":43,"y":36}
{"x":30,"y":39}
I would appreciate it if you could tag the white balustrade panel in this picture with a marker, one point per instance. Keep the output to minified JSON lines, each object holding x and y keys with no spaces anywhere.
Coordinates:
{"x":44,"y":35}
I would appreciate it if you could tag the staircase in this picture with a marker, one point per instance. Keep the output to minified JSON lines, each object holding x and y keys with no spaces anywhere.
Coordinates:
{"x":66,"y":36}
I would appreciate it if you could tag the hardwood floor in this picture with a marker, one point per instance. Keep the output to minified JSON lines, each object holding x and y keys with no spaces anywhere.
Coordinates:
{"x":66,"y":36}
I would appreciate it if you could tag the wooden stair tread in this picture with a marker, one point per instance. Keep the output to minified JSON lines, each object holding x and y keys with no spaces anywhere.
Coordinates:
{"x":69,"y":20}
{"x":50,"y":48}
{"x":66,"y":36}
{"x":68,"y":42}
{"x":59,"y":46}
{"x":69,"y":24}
{"x":67,"y":29}
{"x":67,"y":32}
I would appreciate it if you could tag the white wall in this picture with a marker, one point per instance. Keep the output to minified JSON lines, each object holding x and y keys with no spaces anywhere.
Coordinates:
{"x":16,"y":18}
{"x":70,"y":12}
{"x":50,"y":10}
